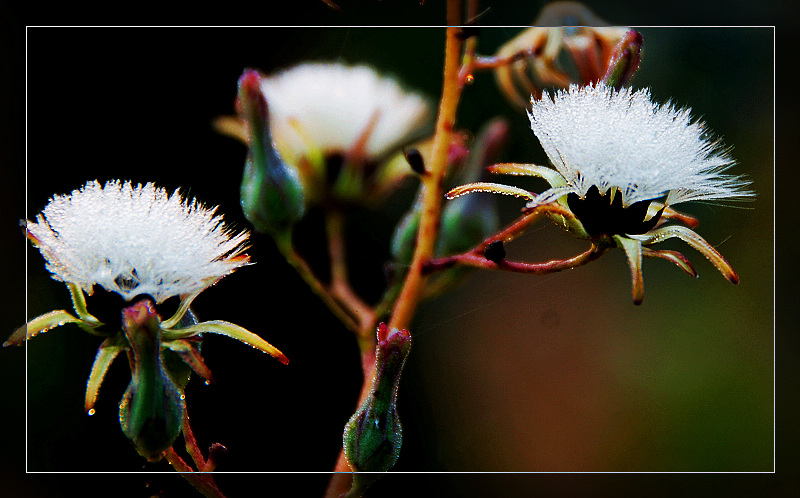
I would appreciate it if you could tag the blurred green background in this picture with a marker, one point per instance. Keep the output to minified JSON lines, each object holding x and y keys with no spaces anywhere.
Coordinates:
{"x":508,"y":372}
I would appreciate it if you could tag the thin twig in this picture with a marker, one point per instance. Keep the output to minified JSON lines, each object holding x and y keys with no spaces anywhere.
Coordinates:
{"x":202,"y":482}
{"x":318,"y":287}
{"x":478,"y":260}
{"x":340,"y":287}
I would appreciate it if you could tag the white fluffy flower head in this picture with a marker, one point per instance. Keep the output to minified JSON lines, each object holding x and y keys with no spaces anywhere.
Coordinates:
{"x":595,"y":136}
{"x":330,"y":106}
{"x":135,"y":240}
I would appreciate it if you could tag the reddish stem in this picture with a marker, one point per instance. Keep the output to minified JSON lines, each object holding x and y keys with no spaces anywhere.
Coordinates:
{"x":202,"y":482}
{"x":476,"y":259}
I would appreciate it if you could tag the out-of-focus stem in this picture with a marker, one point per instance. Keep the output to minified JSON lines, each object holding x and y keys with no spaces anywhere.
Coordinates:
{"x":340,"y":287}
{"x":432,"y":183}
{"x":320,"y":289}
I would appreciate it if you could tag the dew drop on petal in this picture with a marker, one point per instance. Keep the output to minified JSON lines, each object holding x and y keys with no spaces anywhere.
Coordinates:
{"x":91,"y":412}
{"x":183,"y":396}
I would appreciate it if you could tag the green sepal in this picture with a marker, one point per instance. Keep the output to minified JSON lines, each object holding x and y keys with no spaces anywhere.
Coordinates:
{"x":106,"y":354}
{"x":39,"y":325}
{"x":697,"y":242}
{"x":227,"y":329}
{"x":633,"y":252}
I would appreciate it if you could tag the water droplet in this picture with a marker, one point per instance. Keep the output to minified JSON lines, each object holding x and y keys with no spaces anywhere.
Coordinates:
{"x":91,"y":412}
{"x":469,"y":79}
{"x":208,"y":382}
{"x":183,"y":396}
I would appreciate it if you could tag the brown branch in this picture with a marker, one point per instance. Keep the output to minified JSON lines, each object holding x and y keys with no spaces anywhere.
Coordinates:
{"x":362,"y":314}
{"x":432,"y":183}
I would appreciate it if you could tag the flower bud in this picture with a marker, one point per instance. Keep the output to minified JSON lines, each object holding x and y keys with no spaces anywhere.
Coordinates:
{"x":272,"y":195}
{"x":373,"y":436}
{"x":625,"y":60}
{"x":151,"y":411}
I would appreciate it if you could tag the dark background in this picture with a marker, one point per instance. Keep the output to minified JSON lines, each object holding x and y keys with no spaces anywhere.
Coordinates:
{"x":509,"y":373}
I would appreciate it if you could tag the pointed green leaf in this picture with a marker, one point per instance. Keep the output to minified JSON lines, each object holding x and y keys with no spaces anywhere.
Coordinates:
{"x":697,"y":242}
{"x":39,"y":325}
{"x":495,"y":188}
{"x":175,"y":319}
{"x":227,"y":329}
{"x":79,"y":303}
{"x":550,"y":175}
{"x":106,"y":353}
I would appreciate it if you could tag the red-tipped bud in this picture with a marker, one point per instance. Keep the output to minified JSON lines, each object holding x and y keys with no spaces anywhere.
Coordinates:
{"x":272,"y":195}
{"x":373,"y":436}
{"x":625,"y":60}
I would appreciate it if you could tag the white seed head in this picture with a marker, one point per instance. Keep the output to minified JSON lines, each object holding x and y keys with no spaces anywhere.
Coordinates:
{"x":594,"y":135}
{"x":329,"y":106}
{"x":135,"y":240}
